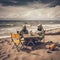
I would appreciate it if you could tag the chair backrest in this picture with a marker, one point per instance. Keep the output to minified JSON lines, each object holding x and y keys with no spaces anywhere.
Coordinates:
{"x":15,"y":38}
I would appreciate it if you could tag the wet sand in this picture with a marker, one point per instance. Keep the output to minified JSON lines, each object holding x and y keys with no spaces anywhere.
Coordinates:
{"x":8,"y":52}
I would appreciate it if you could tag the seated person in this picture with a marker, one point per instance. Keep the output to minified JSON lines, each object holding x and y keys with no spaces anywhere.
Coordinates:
{"x":40,"y":30}
{"x":24,"y":30}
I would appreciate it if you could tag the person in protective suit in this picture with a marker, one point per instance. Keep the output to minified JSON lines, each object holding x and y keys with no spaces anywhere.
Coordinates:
{"x":40,"y":31}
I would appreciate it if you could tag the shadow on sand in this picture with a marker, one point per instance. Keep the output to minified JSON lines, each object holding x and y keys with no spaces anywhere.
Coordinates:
{"x":40,"y":45}
{"x":37,"y":46}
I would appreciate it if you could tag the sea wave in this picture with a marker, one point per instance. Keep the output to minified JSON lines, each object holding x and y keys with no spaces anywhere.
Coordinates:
{"x":6,"y":25}
{"x":6,"y":31}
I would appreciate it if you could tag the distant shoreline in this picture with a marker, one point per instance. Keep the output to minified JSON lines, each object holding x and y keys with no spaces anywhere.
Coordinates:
{"x":28,"y":20}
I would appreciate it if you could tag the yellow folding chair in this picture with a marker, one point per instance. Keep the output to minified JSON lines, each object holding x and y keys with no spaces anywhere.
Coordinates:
{"x":16,"y":39}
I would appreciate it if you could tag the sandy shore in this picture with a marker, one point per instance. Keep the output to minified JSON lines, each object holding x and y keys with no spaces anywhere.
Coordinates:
{"x":7,"y":52}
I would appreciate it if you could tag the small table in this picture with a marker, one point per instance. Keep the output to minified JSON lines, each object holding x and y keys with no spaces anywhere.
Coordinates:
{"x":31,"y":38}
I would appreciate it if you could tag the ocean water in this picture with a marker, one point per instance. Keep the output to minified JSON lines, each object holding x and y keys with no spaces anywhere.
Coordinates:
{"x":11,"y":26}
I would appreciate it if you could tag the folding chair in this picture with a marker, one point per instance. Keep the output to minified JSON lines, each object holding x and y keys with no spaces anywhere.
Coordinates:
{"x":16,"y":39}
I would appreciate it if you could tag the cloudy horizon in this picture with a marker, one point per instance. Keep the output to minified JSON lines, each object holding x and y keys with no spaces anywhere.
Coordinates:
{"x":30,"y":10}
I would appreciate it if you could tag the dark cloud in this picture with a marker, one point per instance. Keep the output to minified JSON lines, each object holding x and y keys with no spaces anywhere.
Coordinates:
{"x":24,"y":2}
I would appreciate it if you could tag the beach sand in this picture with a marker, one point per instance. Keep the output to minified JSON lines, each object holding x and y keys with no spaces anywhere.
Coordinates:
{"x":8,"y":52}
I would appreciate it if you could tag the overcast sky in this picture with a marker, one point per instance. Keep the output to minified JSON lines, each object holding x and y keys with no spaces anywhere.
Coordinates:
{"x":30,"y":9}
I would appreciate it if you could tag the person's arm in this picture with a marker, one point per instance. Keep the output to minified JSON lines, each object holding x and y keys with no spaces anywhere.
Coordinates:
{"x":21,"y":33}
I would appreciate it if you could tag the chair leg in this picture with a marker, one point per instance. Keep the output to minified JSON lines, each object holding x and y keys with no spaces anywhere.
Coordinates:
{"x":22,"y":45}
{"x":30,"y":42}
{"x":17,"y":47}
{"x":31,"y":46}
